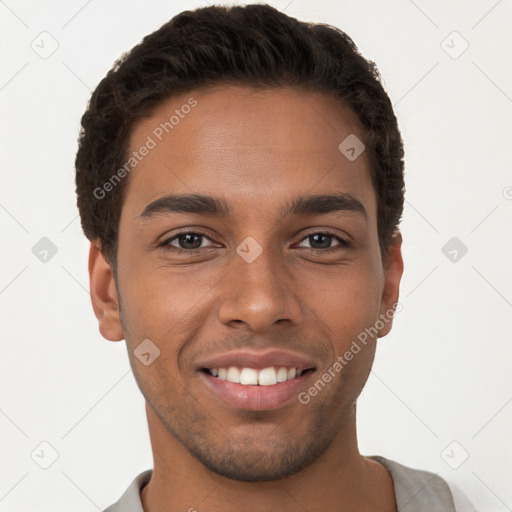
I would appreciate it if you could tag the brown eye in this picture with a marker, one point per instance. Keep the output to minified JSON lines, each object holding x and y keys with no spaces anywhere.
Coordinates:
{"x":187,"y":241}
{"x":322,"y":241}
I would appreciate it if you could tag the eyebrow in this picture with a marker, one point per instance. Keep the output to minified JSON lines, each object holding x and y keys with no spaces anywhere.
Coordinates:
{"x":218,"y":207}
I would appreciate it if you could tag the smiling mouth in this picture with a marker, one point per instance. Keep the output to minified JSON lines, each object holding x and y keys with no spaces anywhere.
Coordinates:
{"x":269,"y":376}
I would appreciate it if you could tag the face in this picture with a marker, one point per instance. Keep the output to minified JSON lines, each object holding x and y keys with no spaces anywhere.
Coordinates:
{"x":283,"y":270}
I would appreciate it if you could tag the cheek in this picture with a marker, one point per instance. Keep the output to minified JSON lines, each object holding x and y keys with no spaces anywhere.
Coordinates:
{"x":169,"y":308}
{"x":347,"y":301}
{"x":157,"y":299}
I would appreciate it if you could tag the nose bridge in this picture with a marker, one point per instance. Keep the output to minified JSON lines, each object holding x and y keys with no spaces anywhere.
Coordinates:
{"x":259,"y":293}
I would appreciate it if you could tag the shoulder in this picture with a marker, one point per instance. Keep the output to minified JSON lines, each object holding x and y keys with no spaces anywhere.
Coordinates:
{"x":418,"y":490}
{"x":130,"y":500}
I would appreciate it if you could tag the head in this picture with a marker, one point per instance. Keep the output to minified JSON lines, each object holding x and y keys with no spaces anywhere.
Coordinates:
{"x":253,"y":109}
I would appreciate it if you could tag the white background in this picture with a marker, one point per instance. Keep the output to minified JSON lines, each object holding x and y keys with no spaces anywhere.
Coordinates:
{"x":442,"y":375}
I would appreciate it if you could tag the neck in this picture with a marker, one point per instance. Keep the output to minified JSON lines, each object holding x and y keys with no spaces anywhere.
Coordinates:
{"x":340,"y":479}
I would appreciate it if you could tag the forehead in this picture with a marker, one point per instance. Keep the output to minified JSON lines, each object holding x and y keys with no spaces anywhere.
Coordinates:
{"x":252,"y":146}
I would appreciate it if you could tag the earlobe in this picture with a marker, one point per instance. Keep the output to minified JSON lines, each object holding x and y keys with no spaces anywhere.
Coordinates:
{"x":393,"y":274}
{"x":104,"y":298}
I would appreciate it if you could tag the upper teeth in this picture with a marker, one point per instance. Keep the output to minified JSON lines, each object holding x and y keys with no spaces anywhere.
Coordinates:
{"x":249,"y":376}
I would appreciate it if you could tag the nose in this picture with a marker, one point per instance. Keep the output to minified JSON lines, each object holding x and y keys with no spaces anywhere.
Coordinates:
{"x":259,"y":294}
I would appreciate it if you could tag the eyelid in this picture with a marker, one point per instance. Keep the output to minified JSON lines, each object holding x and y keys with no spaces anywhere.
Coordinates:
{"x":333,"y":234}
{"x":166,"y":242}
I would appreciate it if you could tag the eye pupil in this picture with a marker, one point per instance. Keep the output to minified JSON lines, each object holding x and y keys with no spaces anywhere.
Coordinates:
{"x":186,"y":238}
{"x":323,"y":236}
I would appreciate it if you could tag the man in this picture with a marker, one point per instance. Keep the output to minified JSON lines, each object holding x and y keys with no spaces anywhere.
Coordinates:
{"x":240,"y":177}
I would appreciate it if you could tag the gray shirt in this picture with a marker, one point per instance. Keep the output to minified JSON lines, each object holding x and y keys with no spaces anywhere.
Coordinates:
{"x":415,"y":490}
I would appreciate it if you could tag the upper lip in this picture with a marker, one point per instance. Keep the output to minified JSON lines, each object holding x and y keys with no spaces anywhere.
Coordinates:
{"x":257,"y":360}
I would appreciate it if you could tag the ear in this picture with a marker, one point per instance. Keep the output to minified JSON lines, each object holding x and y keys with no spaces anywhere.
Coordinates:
{"x":393,"y":274}
{"x":104,"y":298}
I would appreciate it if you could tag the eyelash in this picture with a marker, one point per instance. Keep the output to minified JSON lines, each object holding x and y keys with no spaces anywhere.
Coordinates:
{"x":344,"y":244}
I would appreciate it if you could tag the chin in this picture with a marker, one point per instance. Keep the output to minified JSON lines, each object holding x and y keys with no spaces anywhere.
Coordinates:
{"x":246,"y":462}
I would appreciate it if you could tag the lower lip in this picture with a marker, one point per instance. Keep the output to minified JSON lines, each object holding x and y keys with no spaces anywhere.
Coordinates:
{"x":256,"y":398}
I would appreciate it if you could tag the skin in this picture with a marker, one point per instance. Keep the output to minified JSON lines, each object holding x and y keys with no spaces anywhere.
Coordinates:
{"x":257,"y":149}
